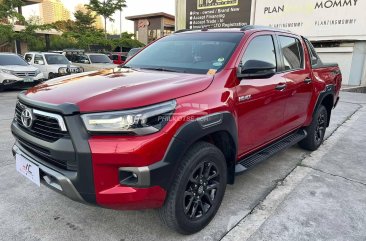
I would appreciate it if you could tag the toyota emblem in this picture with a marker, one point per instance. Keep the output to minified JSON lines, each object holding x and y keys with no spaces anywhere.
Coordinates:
{"x":27,"y":117}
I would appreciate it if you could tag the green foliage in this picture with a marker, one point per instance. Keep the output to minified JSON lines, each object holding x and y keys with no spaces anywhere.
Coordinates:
{"x":8,"y":10}
{"x":106,"y":9}
{"x":84,"y":20}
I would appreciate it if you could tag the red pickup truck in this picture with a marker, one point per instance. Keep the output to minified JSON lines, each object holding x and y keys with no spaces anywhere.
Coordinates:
{"x":177,"y":123}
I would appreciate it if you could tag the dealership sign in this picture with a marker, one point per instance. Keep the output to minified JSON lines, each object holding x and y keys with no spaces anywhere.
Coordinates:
{"x":217,"y":13}
{"x":314,"y":18}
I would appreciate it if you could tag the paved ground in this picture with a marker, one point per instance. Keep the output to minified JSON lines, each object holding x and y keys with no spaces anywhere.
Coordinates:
{"x":31,"y":213}
{"x":324,"y":198}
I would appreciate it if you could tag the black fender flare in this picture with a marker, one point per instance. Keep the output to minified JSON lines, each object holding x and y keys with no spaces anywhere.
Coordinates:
{"x":162,"y":173}
{"x":329,"y":90}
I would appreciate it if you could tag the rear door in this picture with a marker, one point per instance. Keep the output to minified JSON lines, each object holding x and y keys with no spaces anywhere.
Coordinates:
{"x":297,"y":72}
{"x":40,"y":63}
{"x":261,"y":103}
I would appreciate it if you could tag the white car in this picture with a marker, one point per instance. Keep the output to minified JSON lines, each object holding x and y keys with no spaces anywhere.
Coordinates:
{"x":17,"y":73}
{"x":92,"y":62}
{"x":52,"y":65}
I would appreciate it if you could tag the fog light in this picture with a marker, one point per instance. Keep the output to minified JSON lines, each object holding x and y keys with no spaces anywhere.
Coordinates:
{"x":8,"y":81}
{"x":127,"y":177}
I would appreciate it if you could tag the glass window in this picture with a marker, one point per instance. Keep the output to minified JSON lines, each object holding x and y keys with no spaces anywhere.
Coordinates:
{"x":261,"y":50}
{"x":291,"y":52}
{"x":114,"y":57}
{"x":313,"y":55}
{"x":38,"y":58}
{"x":99,"y":59}
{"x":28,"y":57}
{"x":56,"y":59}
{"x":10,"y":59}
{"x":81,"y":59}
{"x":188,"y":52}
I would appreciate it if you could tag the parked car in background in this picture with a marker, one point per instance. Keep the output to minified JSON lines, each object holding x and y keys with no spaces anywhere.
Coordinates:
{"x":118,"y":57}
{"x":52,"y":65}
{"x":15,"y":72}
{"x":94,"y":61}
{"x":133,"y":52}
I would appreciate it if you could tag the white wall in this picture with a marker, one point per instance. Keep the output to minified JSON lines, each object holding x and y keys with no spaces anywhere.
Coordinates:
{"x":342,"y":56}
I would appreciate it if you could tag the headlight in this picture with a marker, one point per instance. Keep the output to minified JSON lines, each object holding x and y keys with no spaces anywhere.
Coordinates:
{"x":62,"y":70}
{"x":141,"y":121}
{"x":38,"y":72}
{"x":6,"y":71}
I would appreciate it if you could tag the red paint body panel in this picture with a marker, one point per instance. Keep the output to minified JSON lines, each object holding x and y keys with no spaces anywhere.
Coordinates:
{"x":106,"y":90}
{"x":268,"y":115}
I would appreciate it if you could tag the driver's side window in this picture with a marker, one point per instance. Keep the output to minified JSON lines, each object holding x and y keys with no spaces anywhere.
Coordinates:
{"x":260,"y":52}
{"x":38,"y":59}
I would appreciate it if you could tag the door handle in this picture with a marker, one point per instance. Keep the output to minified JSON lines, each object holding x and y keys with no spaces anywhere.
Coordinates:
{"x":281,"y":86}
{"x":307,"y":80}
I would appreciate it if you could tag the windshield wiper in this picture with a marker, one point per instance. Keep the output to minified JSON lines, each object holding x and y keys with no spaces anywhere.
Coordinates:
{"x":163,"y":69}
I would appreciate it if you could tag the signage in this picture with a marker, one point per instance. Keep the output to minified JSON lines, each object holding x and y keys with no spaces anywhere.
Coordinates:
{"x":217,"y":13}
{"x":143,"y":23}
{"x":314,"y":18}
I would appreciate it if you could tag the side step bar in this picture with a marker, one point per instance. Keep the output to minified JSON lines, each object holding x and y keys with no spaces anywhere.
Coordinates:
{"x":265,"y":153}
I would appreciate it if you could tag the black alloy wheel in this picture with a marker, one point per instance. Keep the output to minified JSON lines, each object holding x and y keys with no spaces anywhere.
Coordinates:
{"x":201,"y":189}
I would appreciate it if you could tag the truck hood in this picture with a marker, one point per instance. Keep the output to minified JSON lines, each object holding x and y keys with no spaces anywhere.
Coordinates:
{"x":107,"y":90}
{"x":18,"y":67}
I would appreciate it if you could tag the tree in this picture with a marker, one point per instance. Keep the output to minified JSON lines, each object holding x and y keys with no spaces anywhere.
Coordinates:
{"x":83,"y":20}
{"x":106,"y":9}
{"x":8,"y":10}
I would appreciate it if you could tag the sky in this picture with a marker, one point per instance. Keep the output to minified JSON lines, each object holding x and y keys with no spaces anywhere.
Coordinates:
{"x":134,"y":7}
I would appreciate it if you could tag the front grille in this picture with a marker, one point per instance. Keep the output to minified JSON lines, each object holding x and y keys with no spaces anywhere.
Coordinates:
{"x":23,"y":74}
{"x":43,"y":154}
{"x":44,"y":127}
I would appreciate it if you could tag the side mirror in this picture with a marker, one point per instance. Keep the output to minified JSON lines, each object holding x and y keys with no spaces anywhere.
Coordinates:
{"x":86,"y":61}
{"x":256,"y":69}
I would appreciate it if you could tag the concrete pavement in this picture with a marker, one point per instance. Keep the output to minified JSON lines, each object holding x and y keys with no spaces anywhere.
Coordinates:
{"x":31,"y":213}
{"x":324,"y":198}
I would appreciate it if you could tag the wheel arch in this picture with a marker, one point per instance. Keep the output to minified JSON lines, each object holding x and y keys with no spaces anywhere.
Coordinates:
{"x":326,"y":98}
{"x":219,"y":129}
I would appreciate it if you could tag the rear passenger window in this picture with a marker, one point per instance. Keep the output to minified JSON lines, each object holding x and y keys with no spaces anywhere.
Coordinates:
{"x":260,"y":51}
{"x":293,"y":55}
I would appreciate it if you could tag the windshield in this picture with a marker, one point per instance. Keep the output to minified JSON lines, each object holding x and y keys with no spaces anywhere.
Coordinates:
{"x":12,"y":60}
{"x":100,"y":59}
{"x":133,"y":52}
{"x":56,"y":59}
{"x":189,"y":53}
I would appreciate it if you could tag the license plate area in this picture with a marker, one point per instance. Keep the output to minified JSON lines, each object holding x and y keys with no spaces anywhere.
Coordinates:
{"x":28,"y":169}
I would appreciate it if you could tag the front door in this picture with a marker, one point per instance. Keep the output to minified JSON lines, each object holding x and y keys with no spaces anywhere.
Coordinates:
{"x":261,"y":102}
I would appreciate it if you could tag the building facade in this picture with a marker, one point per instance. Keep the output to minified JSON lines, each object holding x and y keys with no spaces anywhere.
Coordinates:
{"x":149,"y":27}
{"x":52,"y":11}
{"x":337,"y":28}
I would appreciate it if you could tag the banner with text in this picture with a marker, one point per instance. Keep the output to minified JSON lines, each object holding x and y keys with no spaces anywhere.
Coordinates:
{"x":217,"y":13}
{"x":314,"y":18}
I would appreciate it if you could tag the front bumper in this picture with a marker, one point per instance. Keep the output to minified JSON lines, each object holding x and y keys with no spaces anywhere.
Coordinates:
{"x":51,"y":178}
{"x":19,"y":84}
{"x":87,"y":182}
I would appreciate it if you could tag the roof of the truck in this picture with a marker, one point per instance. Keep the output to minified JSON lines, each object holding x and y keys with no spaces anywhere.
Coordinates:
{"x":247,"y":28}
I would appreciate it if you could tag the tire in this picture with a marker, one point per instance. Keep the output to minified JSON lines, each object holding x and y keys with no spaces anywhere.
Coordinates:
{"x":51,"y":76}
{"x":187,"y":209}
{"x":316,"y":130}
